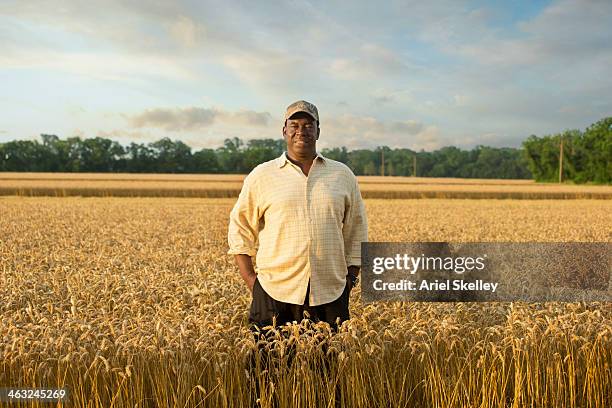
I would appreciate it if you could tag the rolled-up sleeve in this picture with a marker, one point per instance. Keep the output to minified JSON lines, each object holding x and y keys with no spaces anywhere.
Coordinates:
{"x":355,"y":228}
{"x":244,"y":221}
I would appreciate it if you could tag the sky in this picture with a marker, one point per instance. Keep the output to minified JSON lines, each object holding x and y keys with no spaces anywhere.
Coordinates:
{"x":405,"y":74}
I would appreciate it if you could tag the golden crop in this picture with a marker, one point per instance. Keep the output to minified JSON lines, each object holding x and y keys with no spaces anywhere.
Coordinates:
{"x":223,"y":185}
{"x":133,"y":302}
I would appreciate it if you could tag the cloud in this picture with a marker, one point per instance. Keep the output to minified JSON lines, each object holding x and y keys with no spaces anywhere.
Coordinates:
{"x":246,"y":117}
{"x":214,"y":125}
{"x":268,"y":69}
{"x":125,"y":134}
{"x":174,"y":119}
{"x":122,"y":40}
{"x":365,"y":131}
{"x":568,"y":32}
{"x":519,"y":78}
{"x":171,"y":40}
{"x":449,"y":72}
{"x":408,"y":126}
{"x":187,"y":32}
{"x":196,"y":118}
{"x":139,"y":28}
{"x":381,"y":100}
{"x":391,"y":97}
{"x":101,"y":66}
{"x":371,"y":61}
{"x":461,"y":100}
{"x":571,"y":28}
{"x":113,"y":134}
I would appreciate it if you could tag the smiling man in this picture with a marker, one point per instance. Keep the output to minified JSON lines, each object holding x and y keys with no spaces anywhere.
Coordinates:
{"x":302,"y":217}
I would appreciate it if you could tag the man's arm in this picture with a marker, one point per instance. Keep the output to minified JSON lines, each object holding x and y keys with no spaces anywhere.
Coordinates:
{"x":355,"y":231}
{"x":247,"y":272}
{"x":243,"y":231}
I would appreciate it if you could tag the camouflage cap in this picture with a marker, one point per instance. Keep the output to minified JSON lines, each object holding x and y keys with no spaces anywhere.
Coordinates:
{"x":302,"y":106}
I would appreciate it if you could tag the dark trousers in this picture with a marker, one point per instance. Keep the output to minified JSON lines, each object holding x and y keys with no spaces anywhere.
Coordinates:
{"x":265,"y":311}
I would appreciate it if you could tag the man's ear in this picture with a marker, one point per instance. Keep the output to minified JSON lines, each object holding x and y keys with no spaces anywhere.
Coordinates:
{"x":318,"y":132}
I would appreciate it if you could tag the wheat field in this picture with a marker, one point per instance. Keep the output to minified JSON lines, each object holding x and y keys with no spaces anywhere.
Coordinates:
{"x":224,"y":185}
{"x":133,"y":302}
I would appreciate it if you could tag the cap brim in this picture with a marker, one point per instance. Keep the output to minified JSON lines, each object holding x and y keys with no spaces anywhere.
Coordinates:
{"x":299,"y":111}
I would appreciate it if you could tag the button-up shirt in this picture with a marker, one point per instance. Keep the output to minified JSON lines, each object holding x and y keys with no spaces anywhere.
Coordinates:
{"x":300,"y":228}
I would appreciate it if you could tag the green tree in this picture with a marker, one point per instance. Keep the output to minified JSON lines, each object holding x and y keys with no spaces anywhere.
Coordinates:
{"x":596,"y":153}
{"x":22,"y":155}
{"x":258,"y":151}
{"x":205,"y":161}
{"x":171,"y":156}
{"x":231,"y":157}
{"x":400,"y":162}
{"x":140,"y":158}
{"x":542,"y":154}
{"x":362,"y":162}
{"x":337,"y":153}
{"x":100,"y":155}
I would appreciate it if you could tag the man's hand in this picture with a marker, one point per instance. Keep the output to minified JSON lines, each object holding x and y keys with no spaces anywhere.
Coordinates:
{"x":251,"y":281}
{"x":353,"y":273}
{"x":245,"y":264}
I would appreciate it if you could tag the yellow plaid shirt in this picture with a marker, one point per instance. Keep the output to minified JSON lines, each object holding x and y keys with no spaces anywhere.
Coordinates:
{"x":300,"y":228}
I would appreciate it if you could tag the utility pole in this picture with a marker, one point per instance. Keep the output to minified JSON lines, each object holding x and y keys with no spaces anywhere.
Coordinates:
{"x":382,"y":169}
{"x":414,"y":165}
{"x":561,"y":161}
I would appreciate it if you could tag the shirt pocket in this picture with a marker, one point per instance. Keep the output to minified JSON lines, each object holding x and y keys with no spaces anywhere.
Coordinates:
{"x":331,"y":202}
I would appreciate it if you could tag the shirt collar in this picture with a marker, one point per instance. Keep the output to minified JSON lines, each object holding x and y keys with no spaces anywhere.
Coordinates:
{"x":282,"y":160}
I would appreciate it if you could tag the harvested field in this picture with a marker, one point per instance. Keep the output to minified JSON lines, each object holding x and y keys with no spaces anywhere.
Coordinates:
{"x":134,"y":302}
{"x":214,"y":186}
{"x":233,"y":177}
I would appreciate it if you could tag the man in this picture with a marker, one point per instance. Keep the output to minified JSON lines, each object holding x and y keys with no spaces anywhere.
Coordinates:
{"x":303,"y":218}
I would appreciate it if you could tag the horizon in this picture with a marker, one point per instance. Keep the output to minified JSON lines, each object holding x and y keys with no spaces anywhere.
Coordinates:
{"x":245,"y":142}
{"x":415,"y":76}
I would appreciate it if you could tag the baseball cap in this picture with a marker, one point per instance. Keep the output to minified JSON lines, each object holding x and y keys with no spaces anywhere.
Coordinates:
{"x":302,"y":106}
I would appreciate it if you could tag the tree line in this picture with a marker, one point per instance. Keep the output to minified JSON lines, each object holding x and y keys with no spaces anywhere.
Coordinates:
{"x":587,"y":157}
{"x":235,"y":156}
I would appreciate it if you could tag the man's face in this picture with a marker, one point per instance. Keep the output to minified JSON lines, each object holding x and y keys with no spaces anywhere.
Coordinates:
{"x":301,"y":133}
